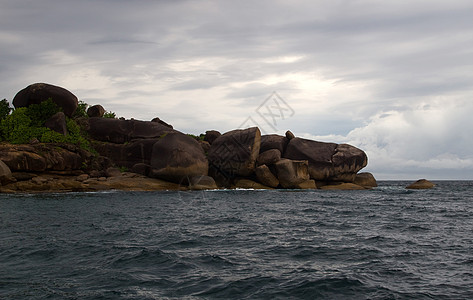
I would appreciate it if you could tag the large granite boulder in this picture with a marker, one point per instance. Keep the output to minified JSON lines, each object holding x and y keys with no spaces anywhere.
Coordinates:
{"x":158,"y":120}
{"x":177,"y":157}
{"x":123,"y":131}
{"x":57,"y":122}
{"x":294,"y":174}
{"x":96,"y":111}
{"x":39,"y":92}
{"x":234,"y":154}
{"x":273,"y":141}
{"x":327,"y":161}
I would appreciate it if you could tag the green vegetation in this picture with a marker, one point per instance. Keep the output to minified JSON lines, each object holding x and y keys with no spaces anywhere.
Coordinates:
{"x":81,"y":111}
{"x":27,"y":123}
{"x":5,"y":109}
{"x":109,"y":114}
{"x":198,"y":138}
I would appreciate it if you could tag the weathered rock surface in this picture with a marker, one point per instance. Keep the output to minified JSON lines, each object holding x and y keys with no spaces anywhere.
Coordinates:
{"x":39,"y":92}
{"x":273,"y":141}
{"x":123,"y":131}
{"x":96,"y":111}
{"x":293,"y":174}
{"x":57,"y":122}
{"x":159,"y":121}
{"x":128,"y":154}
{"x":365,"y":179}
{"x":177,"y":157}
{"x":268,"y":157}
{"x":234,"y":154}
{"x":211,"y":136}
{"x":5,"y":174}
{"x":266,"y":177}
{"x":327,"y":161}
{"x":421,"y":184}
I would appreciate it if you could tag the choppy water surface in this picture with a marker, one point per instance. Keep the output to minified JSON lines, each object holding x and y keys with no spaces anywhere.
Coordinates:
{"x":387,"y":243}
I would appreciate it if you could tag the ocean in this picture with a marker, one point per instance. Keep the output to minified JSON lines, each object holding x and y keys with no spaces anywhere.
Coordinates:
{"x":384,"y":243}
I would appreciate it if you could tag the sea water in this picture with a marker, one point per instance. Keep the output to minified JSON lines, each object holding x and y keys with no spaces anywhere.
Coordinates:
{"x":385,"y":243}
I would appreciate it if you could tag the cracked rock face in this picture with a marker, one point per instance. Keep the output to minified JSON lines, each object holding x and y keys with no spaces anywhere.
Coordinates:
{"x":327,"y":161}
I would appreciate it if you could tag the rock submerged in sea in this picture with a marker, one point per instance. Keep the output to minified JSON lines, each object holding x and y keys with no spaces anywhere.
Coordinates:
{"x":421,"y":184}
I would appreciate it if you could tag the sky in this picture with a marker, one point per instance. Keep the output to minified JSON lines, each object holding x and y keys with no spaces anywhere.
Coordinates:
{"x":394,"y":78}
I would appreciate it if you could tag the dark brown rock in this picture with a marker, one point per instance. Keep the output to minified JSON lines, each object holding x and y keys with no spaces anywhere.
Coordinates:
{"x":292,"y":174}
{"x":365,"y":179}
{"x":234,"y":154}
{"x":205,"y":146}
{"x":129,"y":154}
{"x":268,"y":157}
{"x":113,"y":172}
{"x":266,"y":177}
{"x":211,"y":136}
{"x":327,"y":161}
{"x":421,"y":184}
{"x":96,"y":111}
{"x":39,"y":92}
{"x":290,"y":135}
{"x":159,"y":121}
{"x":57,"y":122}
{"x":5,"y":174}
{"x":177,"y":157}
{"x":141,"y":168}
{"x":123,"y":131}
{"x":273,"y":141}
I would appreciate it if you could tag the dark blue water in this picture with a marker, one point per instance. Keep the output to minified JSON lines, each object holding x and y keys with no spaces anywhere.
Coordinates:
{"x":386,"y":243}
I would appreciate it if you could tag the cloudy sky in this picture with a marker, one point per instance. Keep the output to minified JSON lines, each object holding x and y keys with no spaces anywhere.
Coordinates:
{"x":394,"y":78}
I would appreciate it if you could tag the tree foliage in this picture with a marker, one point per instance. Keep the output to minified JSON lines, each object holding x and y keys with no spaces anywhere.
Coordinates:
{"x":5,"y":109}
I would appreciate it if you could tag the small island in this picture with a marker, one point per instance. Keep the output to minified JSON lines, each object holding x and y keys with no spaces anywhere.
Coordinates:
{"x":52,"y":142}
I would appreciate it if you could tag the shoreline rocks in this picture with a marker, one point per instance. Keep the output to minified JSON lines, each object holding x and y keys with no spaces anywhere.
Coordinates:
{"x":421,"y":184}
{"x":240,"y":158}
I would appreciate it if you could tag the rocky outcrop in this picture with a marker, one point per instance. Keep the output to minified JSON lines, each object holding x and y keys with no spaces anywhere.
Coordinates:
{"x":176,"y":157}
{"x":421,"y":184}
{"x":344,"y":186}
{"x":39,"y":92}
{"x":96,"y":111}
{"x":327,"y":161}
{"x":124,"y":131}
{"x":234,"y":154}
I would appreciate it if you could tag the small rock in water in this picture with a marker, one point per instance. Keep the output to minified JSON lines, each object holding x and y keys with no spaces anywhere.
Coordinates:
{"x":421,"y":184}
